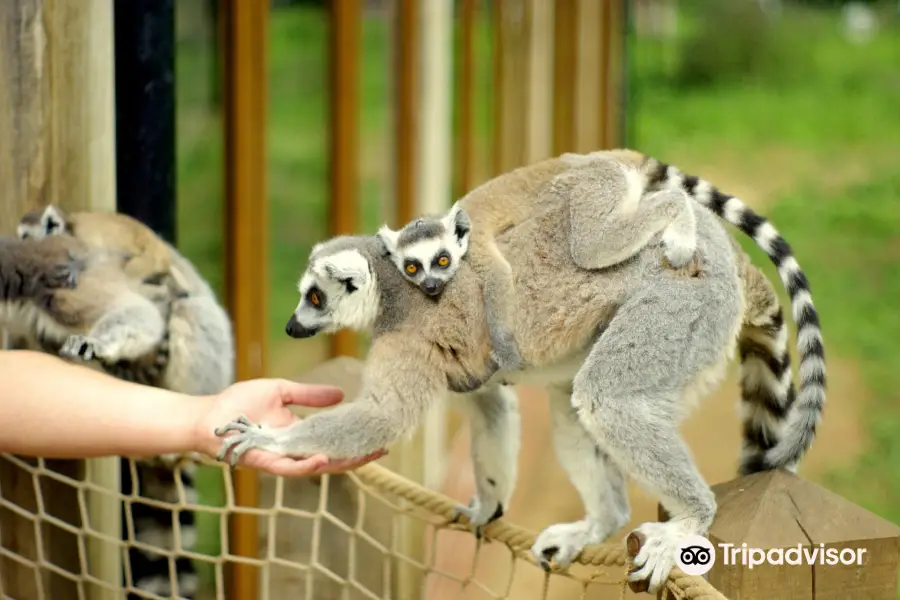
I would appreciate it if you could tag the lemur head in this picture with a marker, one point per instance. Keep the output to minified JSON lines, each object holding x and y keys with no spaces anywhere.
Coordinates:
{"x":42,"y":222}
{"x":428,"y":250}
{"x":337,"y":290}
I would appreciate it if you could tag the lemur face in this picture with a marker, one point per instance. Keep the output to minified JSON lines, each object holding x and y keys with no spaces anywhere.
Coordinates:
{"x":41,"y":223}
{"x":430,"y":264}
{"x":428,"y":250}
{"x":336,"y":292}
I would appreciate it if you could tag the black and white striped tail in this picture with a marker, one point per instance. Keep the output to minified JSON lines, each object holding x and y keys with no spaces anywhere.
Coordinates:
{"x":793,"y":421}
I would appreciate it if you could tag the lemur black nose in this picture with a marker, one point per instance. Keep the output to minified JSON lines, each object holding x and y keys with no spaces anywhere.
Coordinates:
{"x":298,"y":331}
{"x":432,"y":287}
{"x":291,"y":324}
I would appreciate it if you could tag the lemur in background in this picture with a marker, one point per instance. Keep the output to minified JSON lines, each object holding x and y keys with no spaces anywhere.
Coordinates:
{"x":155,"y":296}
{"x":623,"y":352}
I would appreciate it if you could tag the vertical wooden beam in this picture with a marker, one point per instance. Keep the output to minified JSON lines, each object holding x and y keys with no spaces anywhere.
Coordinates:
{"x":344,"y":40}
{"x":540,"y":80}
{"x":58,"y":131}
{"x":511,"y":87}
{"x":565,"y":65}
{"x":589,"y":85}
{"x":246,"y":83}
{"x":407,"y":108}
{"x":499,"y":70}
{"x":614,"y":31}
{"x":464,"y":98}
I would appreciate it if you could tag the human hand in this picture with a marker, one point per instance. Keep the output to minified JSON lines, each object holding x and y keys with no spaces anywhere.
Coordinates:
{"x":266,"y":401}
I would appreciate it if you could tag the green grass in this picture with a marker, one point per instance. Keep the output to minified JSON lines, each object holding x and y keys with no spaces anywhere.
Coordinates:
{"x":816,"y":100}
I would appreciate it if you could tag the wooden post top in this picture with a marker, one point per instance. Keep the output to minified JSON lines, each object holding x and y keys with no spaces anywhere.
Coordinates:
{"x":840,"y":550}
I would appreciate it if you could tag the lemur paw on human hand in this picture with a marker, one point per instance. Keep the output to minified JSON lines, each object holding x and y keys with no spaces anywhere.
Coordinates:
{"x":249,"y":436}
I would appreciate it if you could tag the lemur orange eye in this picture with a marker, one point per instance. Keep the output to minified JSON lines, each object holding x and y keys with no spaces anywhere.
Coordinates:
{"x":411,"y":269}
{"x":314,"y":299}
{"x":443,"y":261}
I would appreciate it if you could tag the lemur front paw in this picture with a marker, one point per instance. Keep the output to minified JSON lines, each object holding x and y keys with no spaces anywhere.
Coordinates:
{"x":250,"y":436}
{"x":479,"y":513}
{"x":64,"y":275}
{"x":78,"y":347}
{"x":562,"y":543}
{"x":657,"y":555}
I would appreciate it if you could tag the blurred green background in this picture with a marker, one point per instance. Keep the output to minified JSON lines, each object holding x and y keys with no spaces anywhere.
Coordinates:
{"x":795,"y":105}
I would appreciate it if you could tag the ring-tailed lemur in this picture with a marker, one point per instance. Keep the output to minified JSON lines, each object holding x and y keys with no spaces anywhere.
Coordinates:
{"x":185,"y":345}
{"x":606,"y":228}
{"x":634,"y":343}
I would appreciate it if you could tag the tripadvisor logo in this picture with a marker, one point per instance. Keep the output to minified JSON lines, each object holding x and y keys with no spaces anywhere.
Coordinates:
{"x":696,"y":555}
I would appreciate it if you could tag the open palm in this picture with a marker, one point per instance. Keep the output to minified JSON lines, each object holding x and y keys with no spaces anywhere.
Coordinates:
{"x":267,"y":402}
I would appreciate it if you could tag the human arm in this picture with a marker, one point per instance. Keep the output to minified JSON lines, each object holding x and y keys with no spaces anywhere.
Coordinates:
{"x":55,"y":409}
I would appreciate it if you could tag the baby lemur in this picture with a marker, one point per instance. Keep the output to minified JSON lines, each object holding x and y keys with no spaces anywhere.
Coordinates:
{"x":623,"y":352}
{"x":607,"y":226}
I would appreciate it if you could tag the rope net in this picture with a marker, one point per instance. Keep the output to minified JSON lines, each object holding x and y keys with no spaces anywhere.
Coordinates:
{"x":368,"y":534}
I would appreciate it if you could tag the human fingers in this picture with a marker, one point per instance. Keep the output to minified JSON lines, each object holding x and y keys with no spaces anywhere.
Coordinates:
{"x":286,"y":467}
{"x":304,"y":394}
{"x":348,"y":464}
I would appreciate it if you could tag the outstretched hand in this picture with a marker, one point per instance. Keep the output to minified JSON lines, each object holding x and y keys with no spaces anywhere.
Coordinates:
{"x":267,"y":401}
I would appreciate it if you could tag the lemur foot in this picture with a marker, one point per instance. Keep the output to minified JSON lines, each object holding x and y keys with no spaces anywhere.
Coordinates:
{"x":563,"y":542}
{"x":64,"y":275}
{"x":479,"y":513}
{"x":78,"y":347}
{"x":250,"y":436}
{"x":657,"y":555}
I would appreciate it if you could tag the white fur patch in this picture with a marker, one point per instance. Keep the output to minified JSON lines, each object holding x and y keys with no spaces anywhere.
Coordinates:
{"x":766,"y":235}
{"x":703,"y":192}
{"x":734,"y":211}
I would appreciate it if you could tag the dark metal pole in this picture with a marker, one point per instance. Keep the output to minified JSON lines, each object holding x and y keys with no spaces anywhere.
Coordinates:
{"x":145,"y":112}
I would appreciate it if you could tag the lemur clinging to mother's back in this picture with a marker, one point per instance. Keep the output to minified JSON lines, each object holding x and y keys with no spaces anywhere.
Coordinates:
{"x":143,"y":313}
{"x":606,"y":228}
{"x":622,"y":351}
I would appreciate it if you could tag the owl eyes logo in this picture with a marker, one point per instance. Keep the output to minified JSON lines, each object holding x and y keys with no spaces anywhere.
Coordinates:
{"x":695,"y":555}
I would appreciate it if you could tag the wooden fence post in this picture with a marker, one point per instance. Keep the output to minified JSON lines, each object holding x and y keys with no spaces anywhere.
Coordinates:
{"x":779,"y":510}
{"x":58,"y":146}
{"x":245,"y":44}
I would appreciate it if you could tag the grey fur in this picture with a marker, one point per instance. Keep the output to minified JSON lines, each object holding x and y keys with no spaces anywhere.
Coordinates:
{"x":418,"y":230}
{"x":30,"y":270}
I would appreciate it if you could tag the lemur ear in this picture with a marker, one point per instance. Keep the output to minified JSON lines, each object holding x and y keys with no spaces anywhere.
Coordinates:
{"x":52,"y":221}
{"x":350,"y":268}
{"x":457,"y":221}
{"x":389,"y":238}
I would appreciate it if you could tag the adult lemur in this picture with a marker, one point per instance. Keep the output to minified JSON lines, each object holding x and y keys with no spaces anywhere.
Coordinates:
{"x":623,"y":352}
{"x":143,"y":313}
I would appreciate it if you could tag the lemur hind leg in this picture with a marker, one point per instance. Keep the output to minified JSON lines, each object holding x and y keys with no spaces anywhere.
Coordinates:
{"x":660,"y":348}
{"x":495,"y":441}
{"x":611,"y":218}
{"x":597,"y":478}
